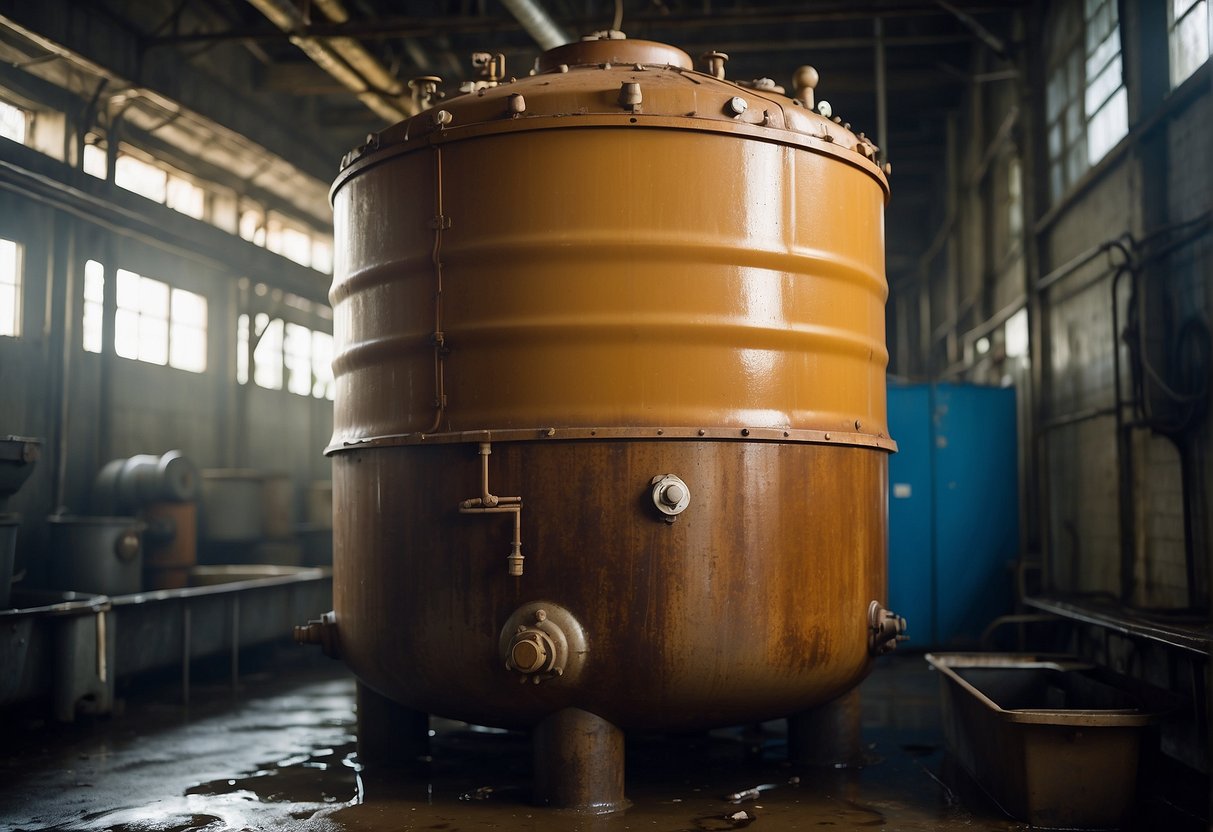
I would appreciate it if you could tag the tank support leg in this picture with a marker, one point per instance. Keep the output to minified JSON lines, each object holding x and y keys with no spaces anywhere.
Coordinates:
{"x":390,"y":734}
{"x":579,"y":762}
{"x":828,"y":735}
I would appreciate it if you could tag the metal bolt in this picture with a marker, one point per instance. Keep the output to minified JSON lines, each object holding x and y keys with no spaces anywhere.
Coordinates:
{"x":672,"y":494}
{"x":702,"y":432}
{"x":441,"y":118}
{"x":517,"y":103}
{"x":736,"y":105}
{"x":858,"y":424}
{"x":541,"y":615}
{"x":745,"y":431}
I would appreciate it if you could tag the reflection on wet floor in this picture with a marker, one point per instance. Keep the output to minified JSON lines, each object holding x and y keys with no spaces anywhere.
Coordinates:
{"x":283,"y":757}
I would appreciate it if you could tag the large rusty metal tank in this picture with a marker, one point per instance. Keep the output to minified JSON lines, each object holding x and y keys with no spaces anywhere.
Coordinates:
{"x":610,"y":442}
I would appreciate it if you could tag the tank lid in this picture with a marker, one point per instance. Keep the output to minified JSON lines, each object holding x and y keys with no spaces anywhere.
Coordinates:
{"x":613,"y":48}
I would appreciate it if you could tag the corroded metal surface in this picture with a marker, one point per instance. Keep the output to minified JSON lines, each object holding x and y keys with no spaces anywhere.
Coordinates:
{"x":752,"y":604}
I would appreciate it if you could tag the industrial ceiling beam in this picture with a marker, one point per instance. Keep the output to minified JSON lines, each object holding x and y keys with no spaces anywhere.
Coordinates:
{"x":391,"y":27}
{"x":343,"y":58}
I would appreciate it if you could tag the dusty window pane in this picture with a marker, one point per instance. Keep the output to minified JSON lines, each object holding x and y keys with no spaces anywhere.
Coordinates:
{"x":93,"y":161}
{"x":126,"y":333}
{"x":94,"y":294}
{"x":13,"y":122}
{"x":153,"y":298}
{"x":1108,"y":126}
{"x":1189,"y":41}
{"x":188,"y":308}
{"x":128,"y":289}
{"x":138,"y":176}
{"x":10,"y":288}
{"x":1101,"y":89}
{"x":91,"y":327}
{"x":242,"y":349}
{"x":267,"y":357}
{"x":153,"y":340}
{"x":252,"y":226}
{"x":94,"y":281}
{"x":322,"y":366}
{"x":186,"y":197}
{"x":187,"y":348}
{"x":322,"y":255}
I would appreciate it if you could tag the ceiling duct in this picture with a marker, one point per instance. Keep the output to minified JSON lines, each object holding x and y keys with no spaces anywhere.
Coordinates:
{"x":538,"y":23}
{"x":343,"y":58}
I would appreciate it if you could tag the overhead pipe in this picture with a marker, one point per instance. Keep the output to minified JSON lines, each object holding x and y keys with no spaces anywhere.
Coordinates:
{"x":537,"y":22}
{"x":339,"y":57}
{"x":357,"y":56}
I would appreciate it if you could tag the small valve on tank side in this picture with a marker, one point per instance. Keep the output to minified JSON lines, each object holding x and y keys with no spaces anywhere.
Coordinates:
{"x":885,"y":629}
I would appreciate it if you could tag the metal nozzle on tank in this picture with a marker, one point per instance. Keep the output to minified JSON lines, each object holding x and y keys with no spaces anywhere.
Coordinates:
{"x":885,"y":629}
{"x":321,"y":631}
{"x":542,"y":641}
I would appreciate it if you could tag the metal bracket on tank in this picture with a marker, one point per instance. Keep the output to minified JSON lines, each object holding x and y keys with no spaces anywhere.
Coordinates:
{"x":489,"y":503}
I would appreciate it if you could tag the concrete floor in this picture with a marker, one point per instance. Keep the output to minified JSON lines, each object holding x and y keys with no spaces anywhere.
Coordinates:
{"x":280,"y":754}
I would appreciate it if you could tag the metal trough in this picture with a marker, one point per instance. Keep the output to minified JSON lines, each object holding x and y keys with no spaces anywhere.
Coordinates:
{"x":68,"y":648}
{"x":1053,"y":741}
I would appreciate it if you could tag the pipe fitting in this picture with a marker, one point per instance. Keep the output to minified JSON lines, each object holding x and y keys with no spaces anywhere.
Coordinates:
{"x":542,"y":641}
{"x":885,"y":629}
{"x":320,"y":631}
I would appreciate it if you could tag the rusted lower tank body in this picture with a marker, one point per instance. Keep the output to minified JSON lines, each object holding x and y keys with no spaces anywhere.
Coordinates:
{"x":614,"y":271}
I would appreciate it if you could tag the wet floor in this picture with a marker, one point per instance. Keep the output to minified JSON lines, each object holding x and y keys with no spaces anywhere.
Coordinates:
{"x":280,"y":754}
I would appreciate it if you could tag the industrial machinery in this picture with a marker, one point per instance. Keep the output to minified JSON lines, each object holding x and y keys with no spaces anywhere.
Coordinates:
{"x":610,"y":448}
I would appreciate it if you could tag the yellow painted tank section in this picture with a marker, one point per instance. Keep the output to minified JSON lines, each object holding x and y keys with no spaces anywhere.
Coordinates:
{"x":575,"y":298}
{"x":595,"y":273}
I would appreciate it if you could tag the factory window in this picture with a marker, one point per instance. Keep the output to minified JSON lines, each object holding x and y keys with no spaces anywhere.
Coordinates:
{"x":159,"y":324}
{"x":184,"y":196}
{"x":267,"y":351}
{"x":10,"y":288}
{"x":323,"y":385}
{"x":289,"y":240}
{"x":93,"y":160}
{"x":94,"y":300}
{"x":1191,"y":24}
{"x":1086,"y":106}
{"x":137,"y":175}
{"x":285,"y":351}
{"x":14,"y":122}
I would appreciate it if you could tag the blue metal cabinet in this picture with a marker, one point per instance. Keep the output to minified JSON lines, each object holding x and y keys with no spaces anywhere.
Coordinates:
{"x":953,"y":509}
